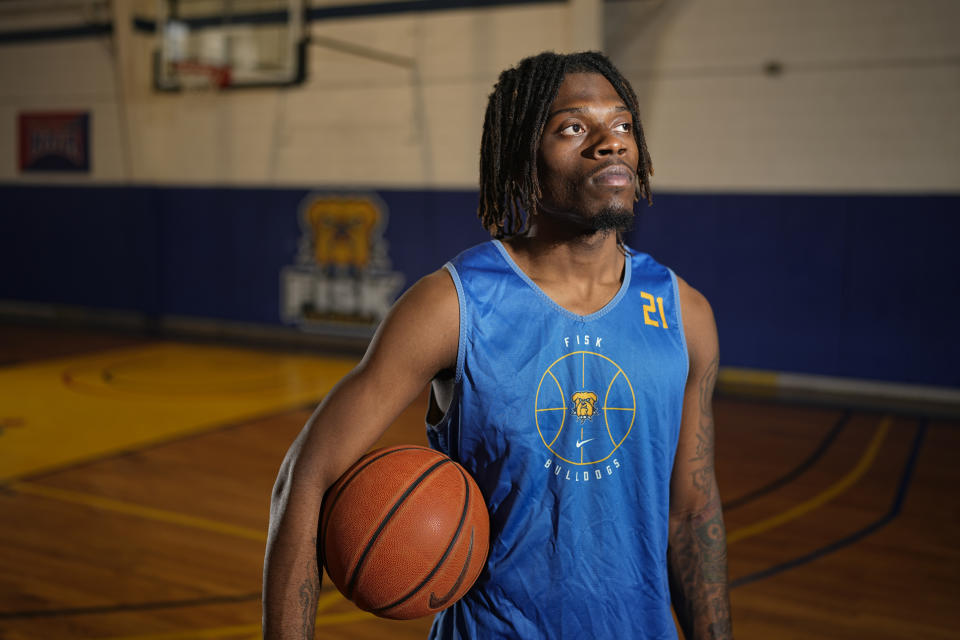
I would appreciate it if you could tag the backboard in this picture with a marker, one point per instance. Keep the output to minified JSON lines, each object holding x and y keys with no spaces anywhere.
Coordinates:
{"x":229,"y":44}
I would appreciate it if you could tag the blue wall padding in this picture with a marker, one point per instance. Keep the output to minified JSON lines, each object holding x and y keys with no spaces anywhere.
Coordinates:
{"x":844,"y":285}
{"x":222,"y":251}
{"x":80,"y":246}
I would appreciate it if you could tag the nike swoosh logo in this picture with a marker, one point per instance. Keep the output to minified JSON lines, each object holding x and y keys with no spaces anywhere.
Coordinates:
{"x":580,"y":443}
{"x":436,"y":602}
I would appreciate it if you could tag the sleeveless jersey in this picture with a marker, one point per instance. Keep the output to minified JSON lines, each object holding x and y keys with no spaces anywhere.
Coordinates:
{"x":569,"y":425}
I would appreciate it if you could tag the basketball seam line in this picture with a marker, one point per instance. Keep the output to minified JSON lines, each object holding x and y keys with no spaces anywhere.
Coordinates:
{"x":436,"y":602}
{"x":376,"y":534}
{"x":443,"y":558}
{"x":325,"y":521}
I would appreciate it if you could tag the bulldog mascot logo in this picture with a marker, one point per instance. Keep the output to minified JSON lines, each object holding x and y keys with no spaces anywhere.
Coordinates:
{"x":342,"y":283}
{"x":583,"y":405}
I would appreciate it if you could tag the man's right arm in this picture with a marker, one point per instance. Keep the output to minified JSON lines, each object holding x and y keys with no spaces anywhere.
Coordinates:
{"x":417,"y":340}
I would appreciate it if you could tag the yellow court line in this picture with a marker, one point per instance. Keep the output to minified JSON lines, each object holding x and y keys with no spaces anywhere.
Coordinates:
{"x":866,"y":460}
{"x":196,"y":634}
{"x":324,"y":602}
{"x":340,"y":618}
{"x":129,"y":508}
{"x":225,"y":632}
{"x":328,"y":599}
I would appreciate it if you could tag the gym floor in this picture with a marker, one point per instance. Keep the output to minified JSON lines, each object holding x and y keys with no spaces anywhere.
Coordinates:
{"x":135,"y":478}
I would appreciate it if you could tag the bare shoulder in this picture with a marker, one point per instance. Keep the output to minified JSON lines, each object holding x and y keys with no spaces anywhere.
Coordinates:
{"x":431,"y":301}
{"x":435,"y":288}
{"x":699,"y":326}
{"x":423,"y":326}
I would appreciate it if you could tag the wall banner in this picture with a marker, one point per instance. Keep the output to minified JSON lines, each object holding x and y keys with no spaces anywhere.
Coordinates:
{"x":55,"y":141}
{"x":342,"y":283}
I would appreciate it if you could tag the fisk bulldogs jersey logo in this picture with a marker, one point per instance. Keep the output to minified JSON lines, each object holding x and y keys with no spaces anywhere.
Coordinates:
{"x":584,"y":410}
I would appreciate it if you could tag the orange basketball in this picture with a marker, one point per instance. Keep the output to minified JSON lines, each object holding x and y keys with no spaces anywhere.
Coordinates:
{"x":404,"y":532}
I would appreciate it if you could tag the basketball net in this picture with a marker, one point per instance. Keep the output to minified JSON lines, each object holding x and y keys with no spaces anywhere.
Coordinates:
{"x":193,"y":75}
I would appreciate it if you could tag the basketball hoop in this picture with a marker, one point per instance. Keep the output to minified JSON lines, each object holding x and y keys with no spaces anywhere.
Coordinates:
{"x":198,"y":75}
{"x":228,"y":44}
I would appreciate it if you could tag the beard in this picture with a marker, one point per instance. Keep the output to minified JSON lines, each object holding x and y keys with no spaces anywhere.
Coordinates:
{"x":612,"y":218}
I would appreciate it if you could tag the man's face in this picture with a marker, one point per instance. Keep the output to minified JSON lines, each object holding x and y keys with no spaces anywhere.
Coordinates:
{"x":587,"y":161}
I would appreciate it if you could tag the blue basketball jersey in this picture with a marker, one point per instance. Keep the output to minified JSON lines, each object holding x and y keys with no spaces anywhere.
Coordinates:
{"x":569,"y":425}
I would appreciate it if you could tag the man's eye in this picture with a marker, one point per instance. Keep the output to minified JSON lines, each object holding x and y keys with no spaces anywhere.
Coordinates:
{"x":572,"y":129}
{"x":625,"y":127}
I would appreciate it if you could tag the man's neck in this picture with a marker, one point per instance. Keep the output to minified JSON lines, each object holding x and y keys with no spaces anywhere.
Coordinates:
{"x":563,"y":251}
{"x":581,"y":273}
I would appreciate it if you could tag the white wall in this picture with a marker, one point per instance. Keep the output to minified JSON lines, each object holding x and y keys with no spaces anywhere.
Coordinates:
{"x":869,"y":98}
{"x":67,"y":76}
{"x":361,"y":121}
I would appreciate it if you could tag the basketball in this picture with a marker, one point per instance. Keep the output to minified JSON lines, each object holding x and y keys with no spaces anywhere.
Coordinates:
{"x":404,"y":532}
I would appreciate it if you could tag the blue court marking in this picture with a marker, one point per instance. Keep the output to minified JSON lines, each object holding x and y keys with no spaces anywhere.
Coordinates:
{"x":797,"y":471}
{"x":894,"y":511}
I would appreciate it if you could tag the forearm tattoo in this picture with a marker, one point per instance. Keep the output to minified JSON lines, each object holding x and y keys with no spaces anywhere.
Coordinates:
{"x":698,"y":575}
{"x":697,"y":551}
{"x":703,"y":476}
{"x":309,"y":593}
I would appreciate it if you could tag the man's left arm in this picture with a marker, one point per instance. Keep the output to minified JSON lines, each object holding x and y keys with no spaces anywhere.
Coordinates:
{"x":697,"y":551}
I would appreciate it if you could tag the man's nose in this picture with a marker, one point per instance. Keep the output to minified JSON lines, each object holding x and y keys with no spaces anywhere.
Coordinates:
{"x":610,"y":144}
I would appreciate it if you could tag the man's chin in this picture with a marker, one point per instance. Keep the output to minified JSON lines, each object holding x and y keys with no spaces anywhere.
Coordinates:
{"x":612,"y":219}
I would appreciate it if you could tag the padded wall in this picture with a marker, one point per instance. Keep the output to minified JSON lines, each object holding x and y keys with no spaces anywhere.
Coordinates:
{"x":861,"y":286}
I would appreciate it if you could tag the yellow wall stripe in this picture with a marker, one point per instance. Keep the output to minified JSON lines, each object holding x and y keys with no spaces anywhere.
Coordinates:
{"x":737,"y":376}
{"x":866,"y":460}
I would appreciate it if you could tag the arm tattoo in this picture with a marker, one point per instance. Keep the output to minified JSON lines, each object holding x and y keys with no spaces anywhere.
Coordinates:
{"x":309,"y":593}
{"x":706,"y":387}
{"x":697,"y":558}
{"x":703,"y":475}
{"x":697,"y":551}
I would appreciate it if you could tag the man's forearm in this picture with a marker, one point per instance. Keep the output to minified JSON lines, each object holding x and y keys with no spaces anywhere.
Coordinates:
{"x":291,"y":576}
{"x":697,"y":558}
{"x":290,"y":608}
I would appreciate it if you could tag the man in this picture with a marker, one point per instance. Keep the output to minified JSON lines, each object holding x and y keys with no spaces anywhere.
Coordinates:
{"x":570,"y":375}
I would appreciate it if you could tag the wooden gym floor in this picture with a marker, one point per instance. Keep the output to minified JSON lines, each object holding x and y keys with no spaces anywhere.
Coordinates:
{"x":135,"y":478}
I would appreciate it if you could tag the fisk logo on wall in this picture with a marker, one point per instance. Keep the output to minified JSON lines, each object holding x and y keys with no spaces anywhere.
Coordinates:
{"x":55,"y":141}
{"x":342,"y":282}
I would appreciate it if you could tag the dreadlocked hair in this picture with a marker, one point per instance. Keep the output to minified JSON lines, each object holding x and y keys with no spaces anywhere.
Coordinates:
{"x":516,"y":113}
